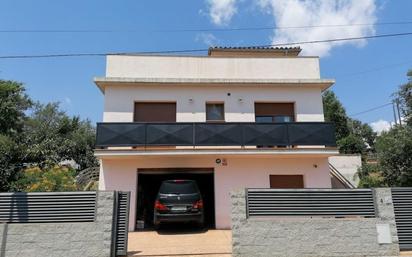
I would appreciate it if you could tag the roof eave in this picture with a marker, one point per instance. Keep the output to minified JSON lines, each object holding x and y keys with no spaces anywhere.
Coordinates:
{"x":297,"y":152}
{"x":101,"y":82}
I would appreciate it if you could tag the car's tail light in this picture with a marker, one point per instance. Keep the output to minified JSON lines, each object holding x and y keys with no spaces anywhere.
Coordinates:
{"x":198,"y":205}
{"x":160,"y":207}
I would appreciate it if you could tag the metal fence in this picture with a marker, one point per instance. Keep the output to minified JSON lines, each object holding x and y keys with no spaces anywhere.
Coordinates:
{"x":215,"y":134}
{"x":402,"y":203}
{"x":310,"y":202}
{"x":47,"y":207}
{"x":121,"y":223}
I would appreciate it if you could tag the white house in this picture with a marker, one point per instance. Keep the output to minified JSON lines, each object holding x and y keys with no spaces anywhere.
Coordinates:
{"x":236,"y":118}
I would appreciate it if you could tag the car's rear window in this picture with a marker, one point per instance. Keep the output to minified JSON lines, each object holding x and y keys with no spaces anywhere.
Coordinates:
{"x":178,"y":187}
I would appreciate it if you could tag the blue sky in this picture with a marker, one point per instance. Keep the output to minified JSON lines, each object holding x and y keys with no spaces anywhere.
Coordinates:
{"x":367,"y":72}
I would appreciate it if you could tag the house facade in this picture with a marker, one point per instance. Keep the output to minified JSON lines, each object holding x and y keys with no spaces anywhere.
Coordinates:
{"x":236,"y":118}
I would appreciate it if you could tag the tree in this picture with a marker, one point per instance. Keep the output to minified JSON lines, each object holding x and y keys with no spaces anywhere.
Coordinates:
{"x":43,"y":138}
{"x":13,"y":103}
{"x":352,"y":136}
{"x":404,"y":95}
{"x":394,"y":150}
{"x":10,"y":163}
{"x":335,"y":113}
{"x":47,"y":180}
{"x":365,"y":132}
{"x":352,"y":144}
{"x":54,"y":137}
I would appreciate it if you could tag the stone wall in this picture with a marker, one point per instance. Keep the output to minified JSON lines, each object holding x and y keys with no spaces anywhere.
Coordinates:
{"x":85,"y":239}
{"x":306,"y":237}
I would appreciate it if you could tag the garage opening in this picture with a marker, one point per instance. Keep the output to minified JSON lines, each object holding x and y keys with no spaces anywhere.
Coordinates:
{"x":148,"y":184}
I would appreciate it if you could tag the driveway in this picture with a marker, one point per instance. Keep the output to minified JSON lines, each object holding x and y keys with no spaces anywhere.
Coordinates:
{"x":173,"y":242}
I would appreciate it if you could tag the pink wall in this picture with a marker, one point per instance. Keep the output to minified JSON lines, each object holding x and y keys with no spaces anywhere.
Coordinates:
{"x":240,"y":172}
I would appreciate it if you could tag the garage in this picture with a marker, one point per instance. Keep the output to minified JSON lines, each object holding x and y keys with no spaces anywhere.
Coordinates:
{"x":148,"y":184}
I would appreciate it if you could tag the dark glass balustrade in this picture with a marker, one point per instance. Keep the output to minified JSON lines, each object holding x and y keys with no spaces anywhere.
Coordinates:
{"x":111,"y":134}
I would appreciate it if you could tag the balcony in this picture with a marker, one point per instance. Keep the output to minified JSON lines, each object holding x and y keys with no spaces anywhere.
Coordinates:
{"x":240,"y":134}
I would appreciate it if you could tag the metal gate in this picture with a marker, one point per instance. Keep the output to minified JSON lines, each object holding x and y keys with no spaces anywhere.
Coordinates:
{"x":310,"y":202}
{"x":402,"y":203}
{"x":120,"y":223}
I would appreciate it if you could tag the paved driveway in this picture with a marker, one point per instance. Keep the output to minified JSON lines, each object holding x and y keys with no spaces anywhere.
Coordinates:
{"x":180,"y":243}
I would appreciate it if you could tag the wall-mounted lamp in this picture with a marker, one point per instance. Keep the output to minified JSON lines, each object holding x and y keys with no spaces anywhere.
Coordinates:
{"x":190,"y":100}
{"x":240,"y":100}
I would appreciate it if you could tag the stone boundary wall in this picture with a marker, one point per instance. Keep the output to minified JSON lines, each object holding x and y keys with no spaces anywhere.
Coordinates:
{"x":83,"y":239}
{"x":309,"y":237}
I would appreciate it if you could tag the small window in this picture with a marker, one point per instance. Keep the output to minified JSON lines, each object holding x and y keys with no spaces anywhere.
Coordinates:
{"x":215,"y":112}
{"x":286,"y":181}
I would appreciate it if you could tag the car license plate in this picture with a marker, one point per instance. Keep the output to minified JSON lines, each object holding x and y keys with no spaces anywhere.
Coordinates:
{"x":179,"y":208}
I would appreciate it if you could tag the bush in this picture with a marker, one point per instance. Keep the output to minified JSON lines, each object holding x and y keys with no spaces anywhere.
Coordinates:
{"x":370,"y":176}
{"x":47,"y":180}
{"x":394,"y":149}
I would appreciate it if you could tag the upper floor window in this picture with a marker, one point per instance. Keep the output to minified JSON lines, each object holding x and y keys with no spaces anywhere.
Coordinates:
{"x":154,"y":112}
{"x":215,"y":112}
{"x":274,"y":112}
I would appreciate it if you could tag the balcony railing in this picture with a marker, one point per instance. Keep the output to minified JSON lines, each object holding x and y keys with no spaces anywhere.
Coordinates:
{"x":136,"y":134}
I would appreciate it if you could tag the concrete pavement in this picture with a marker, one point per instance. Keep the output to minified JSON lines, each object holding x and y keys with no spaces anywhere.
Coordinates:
{"x":173,"y":242}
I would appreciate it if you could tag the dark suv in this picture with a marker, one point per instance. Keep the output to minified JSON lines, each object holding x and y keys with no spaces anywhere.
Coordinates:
{"x":178,"y":201}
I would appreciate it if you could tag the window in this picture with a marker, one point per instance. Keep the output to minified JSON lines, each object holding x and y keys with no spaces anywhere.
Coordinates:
{"x":286,"y":181}
{"x":264,"y":119}
{"x":154,"y":112}
{"x":282,"y":118}
{"x":274,"y":112}
{"x":215,"y":112}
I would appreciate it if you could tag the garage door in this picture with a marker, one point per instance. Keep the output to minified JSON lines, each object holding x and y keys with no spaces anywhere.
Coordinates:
{"x":148,"y":184}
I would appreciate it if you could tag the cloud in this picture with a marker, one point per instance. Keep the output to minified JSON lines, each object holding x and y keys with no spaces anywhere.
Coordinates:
{"x":380,"y":126}
{"x":289,"y":13}
{"x":221,"y":11}
{"x":207,"y":38}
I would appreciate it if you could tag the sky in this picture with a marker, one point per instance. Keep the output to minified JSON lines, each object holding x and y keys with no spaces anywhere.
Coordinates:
{"x":367,"y":72}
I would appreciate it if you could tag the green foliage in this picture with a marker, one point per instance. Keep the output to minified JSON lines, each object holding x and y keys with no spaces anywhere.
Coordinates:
{"x":394,"y":150}
{"x":54,"y":137}
{"x":370,"y":176}
{"x":9,"y":162}
{"x":334,"y":112}
{"x":405,"y":99}
{"x":38,"y":135}
{"x":352,"y":144}
{"x":47,"y":180}
{"x":364,"y":132}
{"x":13,"y":103}
{"x":352,"y":136}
